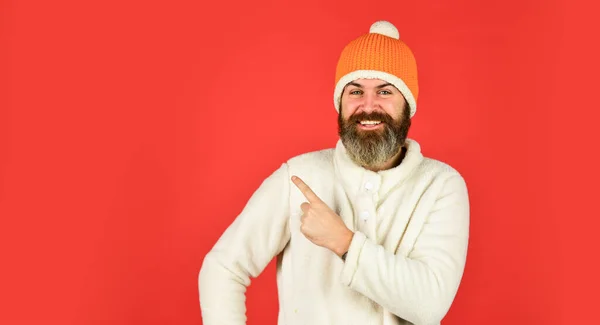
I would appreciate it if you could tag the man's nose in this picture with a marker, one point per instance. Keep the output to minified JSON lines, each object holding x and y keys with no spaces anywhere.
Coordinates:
{"x":369,"y":103}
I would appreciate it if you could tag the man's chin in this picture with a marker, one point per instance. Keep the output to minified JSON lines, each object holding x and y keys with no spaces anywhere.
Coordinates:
{"x":370,"y":135}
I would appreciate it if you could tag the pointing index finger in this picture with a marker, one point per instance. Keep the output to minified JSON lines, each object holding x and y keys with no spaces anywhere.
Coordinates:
{"x":305,"y":189}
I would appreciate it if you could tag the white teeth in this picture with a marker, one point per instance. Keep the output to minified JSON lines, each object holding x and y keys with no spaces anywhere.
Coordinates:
{"x":369,"y":122}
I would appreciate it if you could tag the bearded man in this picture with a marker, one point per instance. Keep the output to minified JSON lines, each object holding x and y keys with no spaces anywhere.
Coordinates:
{"x":367,"y":232}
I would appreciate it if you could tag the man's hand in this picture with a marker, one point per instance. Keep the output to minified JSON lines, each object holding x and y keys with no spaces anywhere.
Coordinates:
{"x":320,"y":224}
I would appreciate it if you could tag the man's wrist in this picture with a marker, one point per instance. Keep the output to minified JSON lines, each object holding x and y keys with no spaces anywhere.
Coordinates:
{"x":344,"y":244}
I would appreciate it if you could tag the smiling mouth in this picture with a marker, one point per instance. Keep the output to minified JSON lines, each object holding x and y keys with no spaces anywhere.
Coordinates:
{"x":369,"y":124}
{"x":366,"y":122}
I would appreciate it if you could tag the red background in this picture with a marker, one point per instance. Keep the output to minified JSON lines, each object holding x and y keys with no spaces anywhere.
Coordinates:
{"x":132,"y":133}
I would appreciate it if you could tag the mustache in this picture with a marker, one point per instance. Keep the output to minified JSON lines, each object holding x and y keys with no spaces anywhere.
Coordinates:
{"x":374,"y":116}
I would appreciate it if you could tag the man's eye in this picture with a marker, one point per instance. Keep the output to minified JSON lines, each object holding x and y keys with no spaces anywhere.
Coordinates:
{"x":386,"y":92}
{"x":355,"y":92}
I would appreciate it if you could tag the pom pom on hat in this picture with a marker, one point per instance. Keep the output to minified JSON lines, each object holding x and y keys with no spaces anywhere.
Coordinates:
{"x":385,"y":28}
{"x":379,"y":54}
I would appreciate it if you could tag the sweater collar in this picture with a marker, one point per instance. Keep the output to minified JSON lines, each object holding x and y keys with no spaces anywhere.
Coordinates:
{"x":357,"y":179}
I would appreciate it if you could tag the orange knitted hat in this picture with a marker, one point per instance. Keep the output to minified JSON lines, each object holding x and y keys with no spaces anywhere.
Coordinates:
{"x":380,"y":54}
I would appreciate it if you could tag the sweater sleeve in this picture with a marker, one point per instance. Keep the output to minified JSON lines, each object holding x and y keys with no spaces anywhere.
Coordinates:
{"x":256,"y":236}
{"x":420,"y":287}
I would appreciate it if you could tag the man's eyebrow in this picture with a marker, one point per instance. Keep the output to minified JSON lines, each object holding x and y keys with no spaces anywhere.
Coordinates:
{"x":355,"y":84}
{"x":384,"y":85}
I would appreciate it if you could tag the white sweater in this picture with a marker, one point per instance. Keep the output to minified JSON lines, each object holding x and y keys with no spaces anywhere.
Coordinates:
{"x":404,"y":264}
